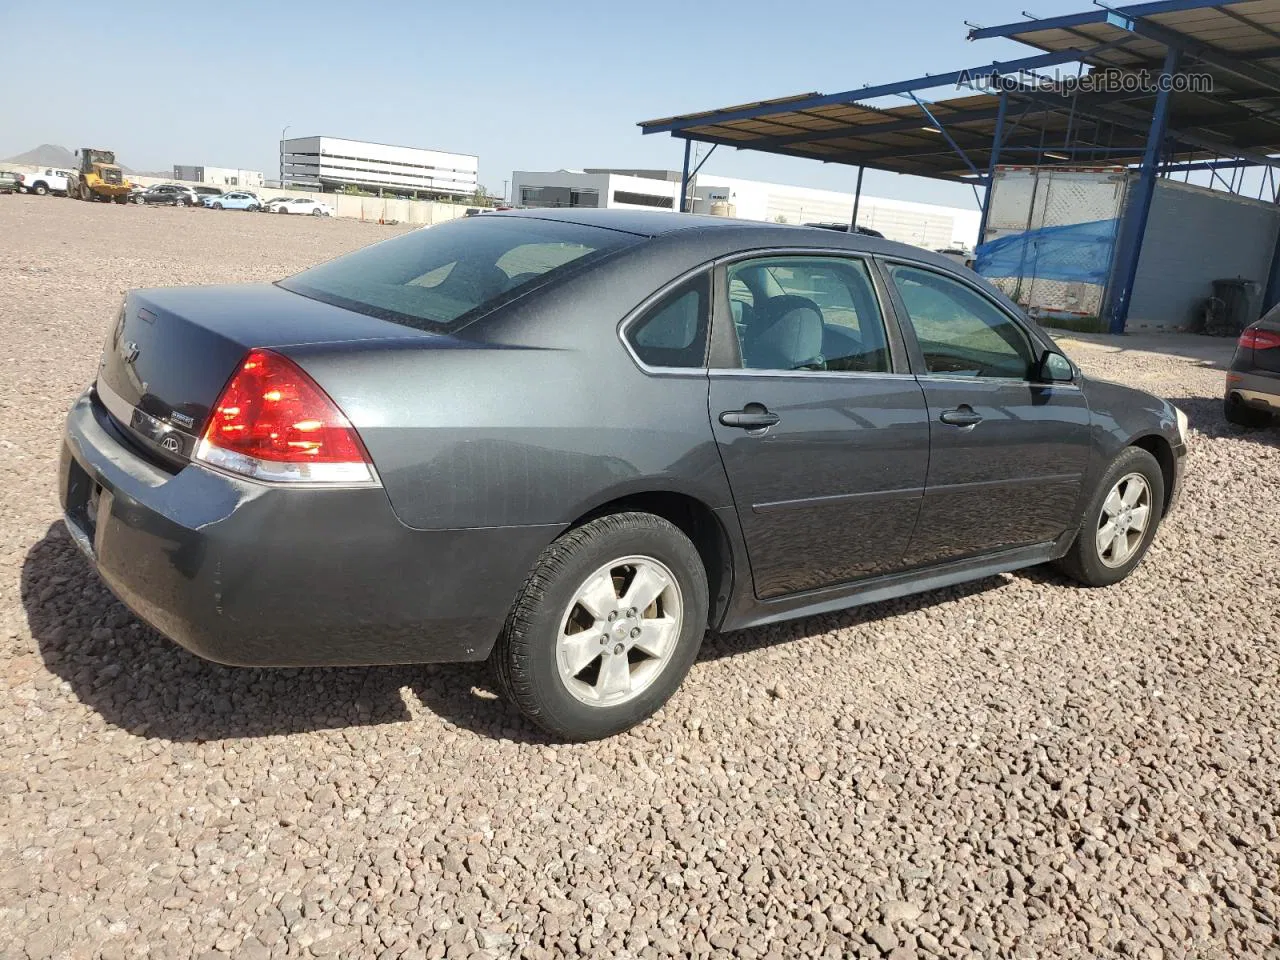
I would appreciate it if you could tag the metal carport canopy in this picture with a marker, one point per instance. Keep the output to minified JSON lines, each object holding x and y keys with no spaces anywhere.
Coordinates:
{"x":1236,"y":44}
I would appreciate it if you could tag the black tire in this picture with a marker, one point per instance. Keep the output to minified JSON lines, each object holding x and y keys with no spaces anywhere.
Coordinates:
{"x":1083,"y":562}
{"x":282,"y":210}
{"x":317,"y":212}
{"x":40,"y":190}
{"x":138,"y":200}
{"x":216,"y":205}
{"x":525,"y":658}
{"x":1242,"y":416}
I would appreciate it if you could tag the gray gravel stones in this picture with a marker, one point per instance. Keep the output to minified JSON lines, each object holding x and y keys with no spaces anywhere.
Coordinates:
{"x":1014,"y":768}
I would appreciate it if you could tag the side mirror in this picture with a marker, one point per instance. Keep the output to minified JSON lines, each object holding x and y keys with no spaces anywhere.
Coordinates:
{"x":1054,"y":368}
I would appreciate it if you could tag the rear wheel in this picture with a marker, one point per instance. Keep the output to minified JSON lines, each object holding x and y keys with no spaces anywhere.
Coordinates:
{"x":40,"y":190}
{"x":1120,"y":523}
{"x":85,"y":192}
{"x":317,"y":212}
{"x":282,"y":209}
{"x":605,"y":628}
{"x":1242,"y":416}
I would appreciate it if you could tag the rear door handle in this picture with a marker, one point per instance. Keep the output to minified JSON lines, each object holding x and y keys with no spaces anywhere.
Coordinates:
{"x":753,"y":416}
{"x":962,"y":416}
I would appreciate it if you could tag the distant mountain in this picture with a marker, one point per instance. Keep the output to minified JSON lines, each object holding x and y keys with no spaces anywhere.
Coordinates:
{"x":45,"y":155}
{"x":51,"y":155}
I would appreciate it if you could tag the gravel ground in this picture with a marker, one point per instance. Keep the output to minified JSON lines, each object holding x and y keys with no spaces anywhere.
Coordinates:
{"x":1013,"y":768}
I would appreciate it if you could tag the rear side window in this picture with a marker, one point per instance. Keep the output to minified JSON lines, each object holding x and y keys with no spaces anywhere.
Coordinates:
{"x":673,"y":332}
{"x":440,"y":277}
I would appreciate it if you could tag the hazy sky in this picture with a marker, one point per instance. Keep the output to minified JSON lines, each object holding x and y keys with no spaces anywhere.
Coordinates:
{"x":533,"y":85}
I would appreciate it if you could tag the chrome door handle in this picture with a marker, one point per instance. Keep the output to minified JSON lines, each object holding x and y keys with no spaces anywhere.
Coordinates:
{"x":753,"y":417}
{"x":962,"y":416}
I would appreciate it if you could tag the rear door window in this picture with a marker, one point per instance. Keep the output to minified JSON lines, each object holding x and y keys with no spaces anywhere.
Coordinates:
{"x":440,"y":277}
{"x":807,"y":313}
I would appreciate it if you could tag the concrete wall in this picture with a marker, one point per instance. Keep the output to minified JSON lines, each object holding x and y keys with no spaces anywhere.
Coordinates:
{"x":1195,"y":236}
{"x":923,"y":224}
{"x":356,"y":208}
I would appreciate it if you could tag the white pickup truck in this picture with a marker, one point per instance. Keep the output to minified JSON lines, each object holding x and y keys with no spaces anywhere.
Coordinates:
{"x":45,"y":180}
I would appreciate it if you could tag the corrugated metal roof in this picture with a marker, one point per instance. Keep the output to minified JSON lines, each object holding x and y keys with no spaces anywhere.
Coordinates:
{"x":1236,"y":45}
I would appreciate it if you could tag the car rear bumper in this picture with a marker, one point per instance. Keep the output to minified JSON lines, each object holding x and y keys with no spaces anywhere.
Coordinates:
{"x":251,"y":574}
{"x":1255,"y":389}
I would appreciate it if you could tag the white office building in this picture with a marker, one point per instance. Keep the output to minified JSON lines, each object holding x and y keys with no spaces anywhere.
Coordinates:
{"x":218,"y":176}
{"x":329,"y":163}
{"x":922,"y":224}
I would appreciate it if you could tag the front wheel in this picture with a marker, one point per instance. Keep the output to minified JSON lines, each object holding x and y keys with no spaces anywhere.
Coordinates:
{"x":605,"y":628}
{"x":216,"y":206}
{"x":1120,"y":523}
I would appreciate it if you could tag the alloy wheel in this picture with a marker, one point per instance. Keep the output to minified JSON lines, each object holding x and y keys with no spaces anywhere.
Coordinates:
{"x":619,"y":631}
{"x":1126,"y":512}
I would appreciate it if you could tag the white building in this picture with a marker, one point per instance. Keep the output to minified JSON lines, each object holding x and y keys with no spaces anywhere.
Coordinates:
{"x":922,"y":224}
{"x":218,"y":176}
{"x":328,"y":163}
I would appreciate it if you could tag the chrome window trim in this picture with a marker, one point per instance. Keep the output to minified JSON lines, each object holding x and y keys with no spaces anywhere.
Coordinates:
{"x":841,"y":374}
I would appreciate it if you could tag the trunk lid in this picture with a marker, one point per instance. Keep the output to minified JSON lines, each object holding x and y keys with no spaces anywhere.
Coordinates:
{"x":172,"y":350}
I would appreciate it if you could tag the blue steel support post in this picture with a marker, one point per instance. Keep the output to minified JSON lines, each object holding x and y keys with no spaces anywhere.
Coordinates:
{"x":1135,"y":223}
{"x":684,"y":176}
{"x":857,"y":200}
{"x":996,"y":139}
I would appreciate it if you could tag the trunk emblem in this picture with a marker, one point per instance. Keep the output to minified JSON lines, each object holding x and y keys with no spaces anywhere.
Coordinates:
{"x":181,"y":419}
{"x":171,"y":443}
{"x":129,"y":352}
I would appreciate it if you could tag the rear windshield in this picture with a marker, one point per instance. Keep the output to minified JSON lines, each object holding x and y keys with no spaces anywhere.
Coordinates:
{"x":440,"y":277}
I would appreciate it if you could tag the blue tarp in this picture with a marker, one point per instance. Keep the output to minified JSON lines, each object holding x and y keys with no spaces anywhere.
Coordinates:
{"x":1078,"y":251}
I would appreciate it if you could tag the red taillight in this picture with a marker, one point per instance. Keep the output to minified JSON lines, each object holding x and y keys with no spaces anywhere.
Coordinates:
{"x":273,"y":422}
{"x":1259,"y":339}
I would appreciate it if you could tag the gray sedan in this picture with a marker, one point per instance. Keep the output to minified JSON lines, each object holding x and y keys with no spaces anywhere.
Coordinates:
{"x":571,"y":442}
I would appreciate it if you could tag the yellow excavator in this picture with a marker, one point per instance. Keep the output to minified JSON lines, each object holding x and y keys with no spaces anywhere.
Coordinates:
{"x":99,"y":177}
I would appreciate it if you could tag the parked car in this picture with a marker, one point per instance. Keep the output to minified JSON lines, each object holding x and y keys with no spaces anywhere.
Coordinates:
{"x":844,"y":228}
{"x":1253,"y":379}
{"x":10,"y":182}
{"x":958,"y":255}
{"x":491,"y":439}
{"x":268,"y":206}
{"x":45,"y":181}
{"x":203,"y":192}
{"x":238,"y":200}
{"x":303,"y":205}
{"x":166,"y":194}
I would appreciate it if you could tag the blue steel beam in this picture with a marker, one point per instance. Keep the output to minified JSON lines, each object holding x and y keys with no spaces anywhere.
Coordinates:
{"x":684,"y":175}
{"x":1135,"y":222}
{"x":868,"y":93}
{"x":1085,"y":19}
{"x":996,"y":142}
{"x":950,"y":139}
{"x":839,"y":158}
